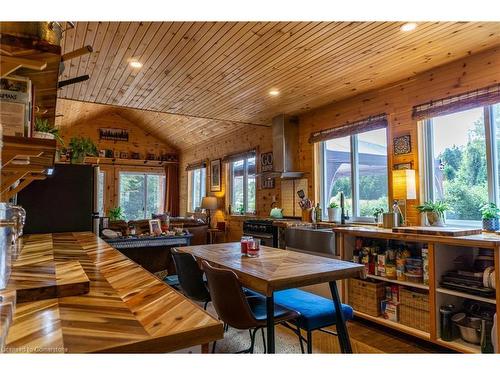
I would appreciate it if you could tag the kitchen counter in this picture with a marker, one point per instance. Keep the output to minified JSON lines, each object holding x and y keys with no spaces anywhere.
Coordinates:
{"x":486,"y":240}
{"x":126,"y":310}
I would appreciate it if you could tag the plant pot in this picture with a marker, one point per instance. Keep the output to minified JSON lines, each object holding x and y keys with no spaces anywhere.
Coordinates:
{"x":77,"y":159}
{"x":434,"y":219}
{"x":491,"y":225}
{"x":334,"y":214}
{"x":43,"y":135}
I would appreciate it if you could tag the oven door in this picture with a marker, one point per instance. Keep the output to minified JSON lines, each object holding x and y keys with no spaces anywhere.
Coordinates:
{"x":265,"y":239}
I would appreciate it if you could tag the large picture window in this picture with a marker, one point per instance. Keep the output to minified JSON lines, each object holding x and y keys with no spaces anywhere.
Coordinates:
{"x":357,"y":166}
{"x":197,"y":188}
{"x":242,"y":185}
{"x":461,"y":161}
{"x":141,"y":194}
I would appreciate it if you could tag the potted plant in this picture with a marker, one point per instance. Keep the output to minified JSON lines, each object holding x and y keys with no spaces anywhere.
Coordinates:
{"x":115,"y":214}
{"x":434,"y":212}
{"x":80,"y":148}
{"x":44,"y":129}
{"x":490,"y":214}
{"x":377,"y":212}
{"x":333,"y":211}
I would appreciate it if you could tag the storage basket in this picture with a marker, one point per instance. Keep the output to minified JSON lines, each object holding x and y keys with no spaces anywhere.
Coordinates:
{"x":365,"y":296}
{"x":414,"y":310}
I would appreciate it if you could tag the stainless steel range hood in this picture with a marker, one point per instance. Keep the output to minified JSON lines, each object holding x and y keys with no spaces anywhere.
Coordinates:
{"x":285,"y":148}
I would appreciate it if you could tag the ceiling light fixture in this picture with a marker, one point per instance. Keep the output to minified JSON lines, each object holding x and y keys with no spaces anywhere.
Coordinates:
{"x":409,"y":26}
{"x":135,"y":64}
{"x":274,"y":92}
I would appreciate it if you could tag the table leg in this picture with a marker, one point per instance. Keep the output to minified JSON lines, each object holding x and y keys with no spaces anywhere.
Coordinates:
{"x":270,"y":323}
{"x":345,"y":342}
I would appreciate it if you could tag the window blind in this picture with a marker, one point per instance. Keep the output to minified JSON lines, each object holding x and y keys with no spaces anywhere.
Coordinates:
{"x":456,"y":103}
{"x":239,"y":156}
{"x":196,"y":165}
{"x":370,"y":123}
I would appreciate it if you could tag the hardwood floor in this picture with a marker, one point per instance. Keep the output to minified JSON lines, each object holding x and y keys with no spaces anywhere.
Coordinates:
{"x":367,"y":337}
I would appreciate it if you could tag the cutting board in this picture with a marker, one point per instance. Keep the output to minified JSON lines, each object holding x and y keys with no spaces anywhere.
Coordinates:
{"x":438,"y":231}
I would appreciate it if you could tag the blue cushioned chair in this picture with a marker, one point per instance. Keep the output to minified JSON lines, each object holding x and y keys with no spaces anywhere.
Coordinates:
{"x":316,"y":312}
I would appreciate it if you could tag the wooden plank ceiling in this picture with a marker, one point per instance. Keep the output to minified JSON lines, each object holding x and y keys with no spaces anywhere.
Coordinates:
{"x":224,"y":70}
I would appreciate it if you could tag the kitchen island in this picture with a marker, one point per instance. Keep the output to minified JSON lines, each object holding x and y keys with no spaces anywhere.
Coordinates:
{"x":127,"y":309}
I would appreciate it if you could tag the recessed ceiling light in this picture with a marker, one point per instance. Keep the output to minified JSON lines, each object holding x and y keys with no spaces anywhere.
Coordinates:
{"x":409,"y":26}
{"x":135,"y":64}
{"x":274,"y":92}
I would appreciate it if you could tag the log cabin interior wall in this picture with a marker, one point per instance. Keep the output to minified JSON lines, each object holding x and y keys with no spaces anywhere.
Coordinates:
{"x":87,"y":124}
{"x":257,"y":137}
{"x":473,"y":72}
{"x":397,"y":100}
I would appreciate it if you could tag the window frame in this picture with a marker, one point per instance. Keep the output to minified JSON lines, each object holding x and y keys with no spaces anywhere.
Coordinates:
{"x":145,"y":174}
{"x":354,"y":216}
{"x":245,"y":186}
{"x":426,"y":128}
{"x":191,"y":190}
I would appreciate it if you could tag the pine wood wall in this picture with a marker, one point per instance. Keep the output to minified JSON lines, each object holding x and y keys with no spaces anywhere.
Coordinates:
{"x":253,"y":137}
{"x":139,"y":141}
{"x":397,"y":100}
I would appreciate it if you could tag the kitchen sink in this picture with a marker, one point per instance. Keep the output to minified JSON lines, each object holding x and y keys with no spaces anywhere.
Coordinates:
{"x":318,"y":240}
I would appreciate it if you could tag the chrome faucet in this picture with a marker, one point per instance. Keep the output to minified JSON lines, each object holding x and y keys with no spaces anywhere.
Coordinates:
{"x":343,"y":215}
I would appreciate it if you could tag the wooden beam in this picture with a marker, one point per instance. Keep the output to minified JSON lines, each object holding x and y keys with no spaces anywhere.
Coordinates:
{"x":9,"y":180}
{"x":21,"y":186}
{"x":76,"y":53}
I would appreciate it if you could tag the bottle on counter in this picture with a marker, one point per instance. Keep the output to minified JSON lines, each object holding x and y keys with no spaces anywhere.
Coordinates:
{"x":313,"y":214}
{"x":317,"y":212}
{"x":486,"y":342}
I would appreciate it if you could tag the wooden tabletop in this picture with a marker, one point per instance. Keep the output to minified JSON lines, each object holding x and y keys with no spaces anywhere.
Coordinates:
{"x":126,"y":310}
{"x":274,"y":269}
{"x":487,"y":240}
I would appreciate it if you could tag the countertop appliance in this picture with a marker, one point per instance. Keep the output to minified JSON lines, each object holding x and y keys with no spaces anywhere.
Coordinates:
{"x":311,"y":239}
{"x":262,"y":229}
{"x":66,"y":201}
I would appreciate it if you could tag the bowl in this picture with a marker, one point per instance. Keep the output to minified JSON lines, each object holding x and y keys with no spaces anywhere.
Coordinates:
{"x":470,"y":330}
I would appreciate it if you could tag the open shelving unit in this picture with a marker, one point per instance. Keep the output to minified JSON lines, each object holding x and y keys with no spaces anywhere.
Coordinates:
{"x":24,"y":160}
{"x":442,"y":251}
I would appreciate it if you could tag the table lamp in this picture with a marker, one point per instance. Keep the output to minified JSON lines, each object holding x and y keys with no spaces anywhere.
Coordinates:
{"x":404,"y":187}
{"x":209,"y":204}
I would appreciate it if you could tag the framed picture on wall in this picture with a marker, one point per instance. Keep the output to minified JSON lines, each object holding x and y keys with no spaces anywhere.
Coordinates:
{"x":215,"y":175}
{"x":402,"y":145}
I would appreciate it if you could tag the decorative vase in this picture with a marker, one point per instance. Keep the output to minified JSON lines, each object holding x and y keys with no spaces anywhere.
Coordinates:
{"x":435,"y":219}
{"x":334,"y":214}
{"x":491,"y":225}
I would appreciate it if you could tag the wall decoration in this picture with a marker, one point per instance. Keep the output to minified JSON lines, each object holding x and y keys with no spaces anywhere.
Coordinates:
{"x":116,"y":154}
{"x":215,"y":175}
{"x":112,"y":134}
{"x":135,"y":155}
{"x":109,"y":153}
{"x":123,"y":155}
{"x":102,"y":153}
{"x":403,"y":166}
{"x":402,"y":145}
{"x":266,"y":165}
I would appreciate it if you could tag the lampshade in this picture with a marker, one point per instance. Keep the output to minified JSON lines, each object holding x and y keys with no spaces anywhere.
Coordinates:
{"x":209,"y":203}
{"x":404,"y":184}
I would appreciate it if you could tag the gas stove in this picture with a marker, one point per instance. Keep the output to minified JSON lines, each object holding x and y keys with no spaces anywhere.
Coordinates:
{"x":262,"y":229}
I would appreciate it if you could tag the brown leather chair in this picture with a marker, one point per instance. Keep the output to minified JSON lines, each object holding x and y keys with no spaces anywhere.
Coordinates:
{"x":238,"y":310}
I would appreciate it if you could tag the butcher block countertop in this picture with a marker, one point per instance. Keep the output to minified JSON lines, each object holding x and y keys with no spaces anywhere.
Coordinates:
{"x":127,"y":309}
{"x":486,"y":240}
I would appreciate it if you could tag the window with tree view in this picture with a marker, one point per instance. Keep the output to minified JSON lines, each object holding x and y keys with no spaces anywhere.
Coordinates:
{"x":197,"y":188}
{"x":242,"y":185}
{"x":357,"y":166}
{"x":461,"y":161}
{"x":141,"y":194}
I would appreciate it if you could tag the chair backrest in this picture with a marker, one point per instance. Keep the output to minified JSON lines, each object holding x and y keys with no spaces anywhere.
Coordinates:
{"x":228,"y":298}
{"x":190,"y":276}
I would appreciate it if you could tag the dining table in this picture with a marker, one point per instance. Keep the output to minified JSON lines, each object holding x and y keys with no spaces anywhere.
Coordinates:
{"x":277,"y":269}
